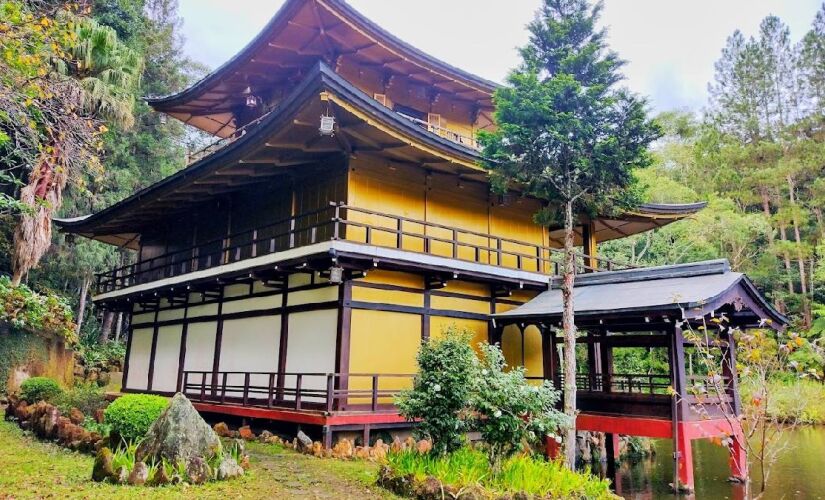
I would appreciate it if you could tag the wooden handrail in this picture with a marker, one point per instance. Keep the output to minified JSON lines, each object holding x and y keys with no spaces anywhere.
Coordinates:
{"x":299,"y":395}
{"x":334,"y":219}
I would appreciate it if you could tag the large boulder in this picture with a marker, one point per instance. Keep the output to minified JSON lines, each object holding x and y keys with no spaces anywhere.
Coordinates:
{"x":179,"y":434}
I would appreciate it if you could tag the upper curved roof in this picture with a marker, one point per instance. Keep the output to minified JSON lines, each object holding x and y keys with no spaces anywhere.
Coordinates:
{"x":322,"y":30}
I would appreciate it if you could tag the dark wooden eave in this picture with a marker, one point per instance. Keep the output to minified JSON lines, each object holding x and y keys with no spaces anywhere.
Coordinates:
{"x":284,"y":140}
{"x":301,"y":33}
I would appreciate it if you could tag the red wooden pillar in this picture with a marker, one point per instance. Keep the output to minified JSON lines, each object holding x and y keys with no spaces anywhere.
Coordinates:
{"x":685,"y":460}
{"x":738,"y":459}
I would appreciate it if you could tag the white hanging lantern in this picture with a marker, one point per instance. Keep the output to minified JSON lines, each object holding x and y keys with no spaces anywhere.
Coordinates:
{"x":327,"y":125}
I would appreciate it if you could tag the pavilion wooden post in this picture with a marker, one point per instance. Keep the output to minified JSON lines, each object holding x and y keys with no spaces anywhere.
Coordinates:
{"x":590,"y":246}
{"x":682,"y":450}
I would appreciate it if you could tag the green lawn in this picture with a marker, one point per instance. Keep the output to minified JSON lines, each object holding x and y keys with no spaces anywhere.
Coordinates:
{"x":33,"y":469}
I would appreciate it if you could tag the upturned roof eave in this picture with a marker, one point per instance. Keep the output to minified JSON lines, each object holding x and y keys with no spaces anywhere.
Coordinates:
{"x":321,"y":78}
{"x":161,"y":103}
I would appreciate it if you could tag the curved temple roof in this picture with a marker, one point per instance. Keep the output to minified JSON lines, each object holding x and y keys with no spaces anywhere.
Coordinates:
{"x":300,"y":34}
{"x":686,"y":291}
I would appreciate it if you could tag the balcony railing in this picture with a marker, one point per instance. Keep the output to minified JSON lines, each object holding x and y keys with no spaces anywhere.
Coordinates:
{"x":326,"y":392}
{"x":359,"y":225}
{"x":444,"y":132}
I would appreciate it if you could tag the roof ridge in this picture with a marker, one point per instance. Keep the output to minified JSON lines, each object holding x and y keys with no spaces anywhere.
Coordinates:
{"x":702,"y":268}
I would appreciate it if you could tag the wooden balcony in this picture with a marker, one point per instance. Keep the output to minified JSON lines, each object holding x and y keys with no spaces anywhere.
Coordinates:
{"x":353,"y":224}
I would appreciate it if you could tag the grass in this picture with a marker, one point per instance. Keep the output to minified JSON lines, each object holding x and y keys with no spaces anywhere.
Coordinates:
{"x":33,"y":469}
{"x":799,"y":400}
{"x":469,"y":467}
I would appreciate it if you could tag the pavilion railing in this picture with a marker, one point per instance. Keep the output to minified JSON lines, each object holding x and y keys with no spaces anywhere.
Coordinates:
{"x":339,"y":221}
{"x":327,"y":392}
{"x":624,"y":383}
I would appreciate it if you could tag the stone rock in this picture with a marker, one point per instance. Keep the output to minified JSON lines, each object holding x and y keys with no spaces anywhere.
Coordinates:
{"x":122,"y":476}
{"x":317,"y":449}
{"x":64,"y":430}
{"x":409,"y":443}
{"x":362,"y":452}
{"x":76,"y":416}
{"x":246,"y":433}
{"x":245,"y":462}
{"x":139,"y":475}
{"x":104,"y":379}
{"x":103,"y":467}
{"x":274,"y":440}
{"x":222,"y":430}
{"x":379,"y":451}
{"x":424,"y":446}
{"x":305,"y":441}
{"x":160,"y":478}
{"x":343,"y":449}
{"x":430,"y":489}
{"x":179,"y":434}
{"x":229,"y":469}
{"x":396,"y":445}
{"x":100,"y":415}
{"x":93,"y":375}
{"x":264,"y":435}
{"x":197,"y":470}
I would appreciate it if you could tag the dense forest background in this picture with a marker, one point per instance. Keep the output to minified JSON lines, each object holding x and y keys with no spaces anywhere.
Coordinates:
{"x":756,"y":154}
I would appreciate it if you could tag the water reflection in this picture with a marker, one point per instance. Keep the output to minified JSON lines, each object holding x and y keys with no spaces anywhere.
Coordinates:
{"x":798,"y":474}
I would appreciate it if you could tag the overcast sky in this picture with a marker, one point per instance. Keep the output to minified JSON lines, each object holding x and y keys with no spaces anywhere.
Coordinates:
{"x":670,"y":45}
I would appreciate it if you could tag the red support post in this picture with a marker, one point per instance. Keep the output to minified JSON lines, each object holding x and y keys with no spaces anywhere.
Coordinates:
{"x":685,"y":460}
{"x":738,"y":460}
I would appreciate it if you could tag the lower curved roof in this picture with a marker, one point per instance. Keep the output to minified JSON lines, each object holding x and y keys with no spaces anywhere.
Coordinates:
{"x":685,"y":291}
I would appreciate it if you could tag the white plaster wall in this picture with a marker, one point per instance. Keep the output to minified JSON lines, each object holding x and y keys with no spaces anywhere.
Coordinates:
{"x":311,"y":347}
{"x":253,"y":304}
{"x":139,"y":359}
{"x":167,"y":355}
{"x":315,"y":296}
{"x":143,"y":318}
{"x":171,"y":314}
{"x":200,"y":348}
{"x":203,"y":310}
{"x":250,"y":345}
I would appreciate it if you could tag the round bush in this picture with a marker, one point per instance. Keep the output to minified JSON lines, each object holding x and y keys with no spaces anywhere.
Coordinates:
{"x":39,"y":389}
{"x":131,"y":415}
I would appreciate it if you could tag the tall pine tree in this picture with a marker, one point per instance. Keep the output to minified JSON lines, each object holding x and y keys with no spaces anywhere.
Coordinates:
{"x":569,"y":135}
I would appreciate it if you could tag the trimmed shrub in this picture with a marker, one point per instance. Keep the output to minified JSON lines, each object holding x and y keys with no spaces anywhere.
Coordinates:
{"x":39,"y":389}
{"x":442,"y":389}
{"x":87,"y":398}
{"x":130,"y":416}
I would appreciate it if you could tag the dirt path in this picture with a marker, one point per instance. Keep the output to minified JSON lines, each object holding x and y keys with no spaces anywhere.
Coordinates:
{"x":303,"y":476}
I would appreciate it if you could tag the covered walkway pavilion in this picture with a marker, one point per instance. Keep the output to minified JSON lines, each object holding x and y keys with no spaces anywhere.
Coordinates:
{"x":672,"y":312}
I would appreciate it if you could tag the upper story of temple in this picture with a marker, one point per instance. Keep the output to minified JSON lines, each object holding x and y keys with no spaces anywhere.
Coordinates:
{"x":335,"y":138}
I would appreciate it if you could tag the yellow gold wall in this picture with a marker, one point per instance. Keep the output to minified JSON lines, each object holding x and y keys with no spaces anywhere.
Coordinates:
{"x":441,"y":199}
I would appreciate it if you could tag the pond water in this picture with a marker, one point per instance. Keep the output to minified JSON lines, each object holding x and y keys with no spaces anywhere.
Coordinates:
{"x":799,"y":472}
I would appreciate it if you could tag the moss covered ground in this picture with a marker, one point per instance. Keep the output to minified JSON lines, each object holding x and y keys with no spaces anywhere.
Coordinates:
{"x":33,"y":469}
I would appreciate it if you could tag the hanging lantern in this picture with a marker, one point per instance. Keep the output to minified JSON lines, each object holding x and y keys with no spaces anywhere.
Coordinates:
{"x":251,"y":100}
{"x":336,"y":275}
{"x":327,"y":125}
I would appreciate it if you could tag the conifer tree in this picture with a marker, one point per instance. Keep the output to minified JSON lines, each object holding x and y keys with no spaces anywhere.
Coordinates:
{"x":569,"y":135}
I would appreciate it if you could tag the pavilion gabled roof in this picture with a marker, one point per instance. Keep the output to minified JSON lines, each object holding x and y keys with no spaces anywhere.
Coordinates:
{"x":300,"y":34}
{"x":683,"y":291}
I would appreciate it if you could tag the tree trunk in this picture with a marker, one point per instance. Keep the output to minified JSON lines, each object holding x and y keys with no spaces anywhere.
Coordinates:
{"x":766,"y":209}
{"x":786,"y":258}
{"x":118,"y":326}
{"x":569,"y":325}
{"x":106,"y":328}
{"x":803,"y":277}
{"x":81,"y":307}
